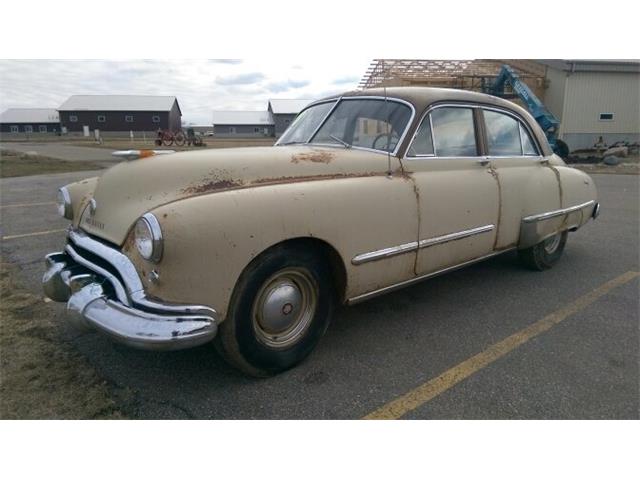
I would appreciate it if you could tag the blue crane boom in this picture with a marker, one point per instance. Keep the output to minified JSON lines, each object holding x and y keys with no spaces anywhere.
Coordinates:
{"x":544,"y":117}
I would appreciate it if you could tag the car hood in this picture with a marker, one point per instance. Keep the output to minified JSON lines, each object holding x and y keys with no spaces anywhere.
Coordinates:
{"x":132,"y":188}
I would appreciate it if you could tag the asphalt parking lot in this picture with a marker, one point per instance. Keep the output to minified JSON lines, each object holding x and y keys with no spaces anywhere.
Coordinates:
{"x":493,"y":340}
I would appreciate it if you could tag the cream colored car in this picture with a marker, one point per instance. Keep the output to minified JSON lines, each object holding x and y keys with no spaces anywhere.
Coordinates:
{"x":365,"y":193}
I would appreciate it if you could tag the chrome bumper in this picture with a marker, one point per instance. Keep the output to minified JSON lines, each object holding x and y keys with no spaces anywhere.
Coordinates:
{"x":96,"y":282}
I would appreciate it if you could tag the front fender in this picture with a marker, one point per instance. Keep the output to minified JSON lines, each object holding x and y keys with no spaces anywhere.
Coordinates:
{"x":210,"y":239}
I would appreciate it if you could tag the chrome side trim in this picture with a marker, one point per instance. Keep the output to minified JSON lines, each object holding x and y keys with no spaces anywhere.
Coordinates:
{"x":411,"y":281}
{"x":455,"y":236}
{"x":557,"y":213}
{"x":413,"y":246}
{"x":384,"y":253}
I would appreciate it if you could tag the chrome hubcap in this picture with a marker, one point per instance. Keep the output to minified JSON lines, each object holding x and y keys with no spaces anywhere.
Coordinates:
{"x":551,"y":244}
{"x":284,"y":307}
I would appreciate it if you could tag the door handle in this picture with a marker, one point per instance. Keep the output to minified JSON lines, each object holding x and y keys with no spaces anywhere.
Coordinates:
{"x":483,"y":161}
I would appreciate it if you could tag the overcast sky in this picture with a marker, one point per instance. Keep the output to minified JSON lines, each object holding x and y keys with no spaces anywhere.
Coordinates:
{"x":200,"y":85}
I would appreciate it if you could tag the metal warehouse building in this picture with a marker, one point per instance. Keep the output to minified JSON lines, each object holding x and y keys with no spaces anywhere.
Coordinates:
{"x":590,"y":98}
{"x":29,"y":120}
{"x":264,"y":123}
{"x":284,"y":110}
{"x":594,"y":99}
{"x":120,"y":113}
{"x":242,"y":124}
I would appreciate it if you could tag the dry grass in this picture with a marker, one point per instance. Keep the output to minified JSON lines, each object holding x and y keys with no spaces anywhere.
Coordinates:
{"x":41,"y":375}
{"x":16,"y":164}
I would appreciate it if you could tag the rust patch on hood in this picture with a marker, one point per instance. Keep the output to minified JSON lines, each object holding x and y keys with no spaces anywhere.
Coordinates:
{"x":315,"y":157}
{"x":211,"y":186}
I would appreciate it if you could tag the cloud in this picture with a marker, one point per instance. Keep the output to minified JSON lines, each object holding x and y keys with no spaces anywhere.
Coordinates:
{"x":283,"y":86}
{"x":343,"y":80}
{"x":246,"y":85}
{"x":227,"y":61}
{"x":241,"y":79}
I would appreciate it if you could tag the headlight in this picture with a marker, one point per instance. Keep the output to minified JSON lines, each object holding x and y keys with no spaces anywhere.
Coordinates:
{"x":63,"y":202}
{"x":148,"y":237}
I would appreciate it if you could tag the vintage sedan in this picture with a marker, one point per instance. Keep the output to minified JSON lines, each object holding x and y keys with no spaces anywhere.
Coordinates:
{"x":365,"y":193}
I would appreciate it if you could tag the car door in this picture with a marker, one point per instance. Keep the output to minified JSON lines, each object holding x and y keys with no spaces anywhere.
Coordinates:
{"x":457,"y":194}
{"x":528,"y":184}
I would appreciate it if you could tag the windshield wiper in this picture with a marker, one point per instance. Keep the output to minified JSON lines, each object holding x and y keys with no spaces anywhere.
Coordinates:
{"x":339,"y":140}
{"x":288,"y":143}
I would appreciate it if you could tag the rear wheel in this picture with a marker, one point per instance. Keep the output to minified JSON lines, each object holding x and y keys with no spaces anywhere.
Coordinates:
{"x":545,"y":254}
{"x":280,"y":309}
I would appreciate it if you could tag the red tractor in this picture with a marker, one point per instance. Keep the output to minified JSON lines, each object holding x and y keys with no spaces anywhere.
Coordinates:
{"x":168,"y":138}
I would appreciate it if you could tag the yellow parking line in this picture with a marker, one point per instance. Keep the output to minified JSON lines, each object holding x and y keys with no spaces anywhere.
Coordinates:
{"x":27,"y":204}
{"x":34,"y":234}
{"x":434,"y":387}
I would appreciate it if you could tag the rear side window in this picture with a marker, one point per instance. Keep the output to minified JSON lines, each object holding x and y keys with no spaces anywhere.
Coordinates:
{"x":454,"y":132}
{"x":503,"y":134}
{"x":506,"y":136}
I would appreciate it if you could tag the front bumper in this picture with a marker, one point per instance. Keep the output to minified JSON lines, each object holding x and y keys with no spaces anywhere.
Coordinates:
{"x":103,"y":291}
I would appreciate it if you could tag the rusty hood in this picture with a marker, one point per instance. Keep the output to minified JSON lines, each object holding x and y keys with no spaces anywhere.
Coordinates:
{"x":132,"y":188}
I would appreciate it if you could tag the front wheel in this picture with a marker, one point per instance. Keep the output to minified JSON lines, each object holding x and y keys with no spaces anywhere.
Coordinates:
{"x":280,"y":309}
{"x":545,"y":254}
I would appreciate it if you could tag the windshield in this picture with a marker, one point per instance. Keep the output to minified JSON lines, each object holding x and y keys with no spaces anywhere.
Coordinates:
{"x":365,"y":123}
{"x":305,"y":124}
{"x":355,"y":122}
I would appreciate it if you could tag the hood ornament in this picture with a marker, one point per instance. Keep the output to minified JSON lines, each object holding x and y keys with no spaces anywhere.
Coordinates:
{"x":92,"y":206}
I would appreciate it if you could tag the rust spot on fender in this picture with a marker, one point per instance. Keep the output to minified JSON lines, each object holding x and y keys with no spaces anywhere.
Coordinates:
{"x":211,"y":186}
{"x":315,"y":157}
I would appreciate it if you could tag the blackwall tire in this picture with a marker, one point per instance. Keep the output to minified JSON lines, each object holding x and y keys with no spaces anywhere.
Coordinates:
{"x":545,"y":254}
{"x":280,"y":308}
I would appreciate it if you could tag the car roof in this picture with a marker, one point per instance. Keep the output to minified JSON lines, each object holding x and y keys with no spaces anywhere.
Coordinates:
{"x":422,"y":97}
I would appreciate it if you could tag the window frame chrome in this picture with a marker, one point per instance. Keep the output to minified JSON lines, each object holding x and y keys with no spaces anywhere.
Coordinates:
{"x":337,"y":101}
{"x":472,"y":106}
